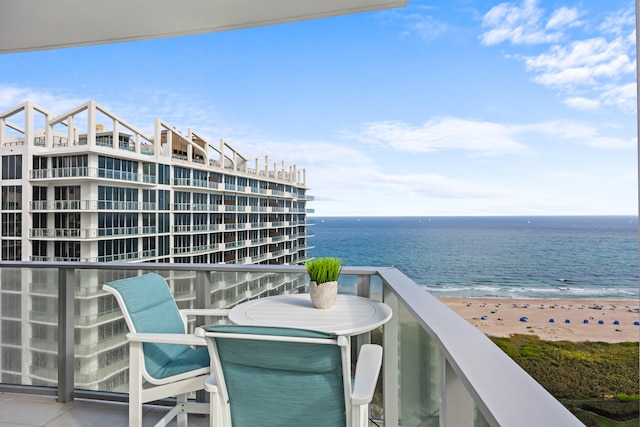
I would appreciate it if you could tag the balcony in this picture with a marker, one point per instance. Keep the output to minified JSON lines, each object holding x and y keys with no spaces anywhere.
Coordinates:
{"x":438,"y":369}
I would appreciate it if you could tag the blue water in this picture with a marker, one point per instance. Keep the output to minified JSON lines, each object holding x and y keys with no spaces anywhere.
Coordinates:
{"x":511,"y":257}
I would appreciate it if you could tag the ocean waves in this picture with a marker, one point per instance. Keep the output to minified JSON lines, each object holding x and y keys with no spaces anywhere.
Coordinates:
{"x":502,"y":257}
{"x":525,"y":292}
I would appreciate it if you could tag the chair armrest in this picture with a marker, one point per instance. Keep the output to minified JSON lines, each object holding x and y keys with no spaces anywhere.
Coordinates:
{"x":204,"y":312}
{"x":188,"y":339}
{"x":367,"y":371}
{"x":211,"y":384}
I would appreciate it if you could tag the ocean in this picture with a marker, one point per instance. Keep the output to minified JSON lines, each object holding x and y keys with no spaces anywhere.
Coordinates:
{"x":577,"y":257}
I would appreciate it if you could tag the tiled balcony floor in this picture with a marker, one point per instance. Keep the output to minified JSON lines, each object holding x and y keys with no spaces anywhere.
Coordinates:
{"x":23,"y":410}
{"x":17,"y":410}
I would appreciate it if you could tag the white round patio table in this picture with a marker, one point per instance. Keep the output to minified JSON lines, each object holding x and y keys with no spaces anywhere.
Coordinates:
{"x":350,"y":315}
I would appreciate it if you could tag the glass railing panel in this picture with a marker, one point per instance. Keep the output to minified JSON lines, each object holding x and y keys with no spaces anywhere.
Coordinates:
{"x":231,"y":288}
{"x":40,"y":297}
{"x":101,"y":348}
{"x":479,"y":420}
{"x":28,"y":326}
{"x":418,"y":370}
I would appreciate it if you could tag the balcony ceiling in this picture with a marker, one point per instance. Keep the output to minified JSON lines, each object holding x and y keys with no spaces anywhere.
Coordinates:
{"x":28,"y":25}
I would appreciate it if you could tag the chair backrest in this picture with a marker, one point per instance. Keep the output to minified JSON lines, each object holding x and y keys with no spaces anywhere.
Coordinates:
{"x":149,"y":307}
{"x":280,"y":376}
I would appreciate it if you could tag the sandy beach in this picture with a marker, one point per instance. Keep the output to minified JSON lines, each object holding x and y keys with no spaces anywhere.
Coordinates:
{"x":588,"y":320}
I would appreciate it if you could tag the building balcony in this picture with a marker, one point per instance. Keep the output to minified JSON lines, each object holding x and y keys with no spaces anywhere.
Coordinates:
{"x":438,"y":370}
{"x":197,"y":228}
{"x":197,"y":249}
{"x":89,"y":233}
{"x":89,"y":205}
{"x":90,"y":172}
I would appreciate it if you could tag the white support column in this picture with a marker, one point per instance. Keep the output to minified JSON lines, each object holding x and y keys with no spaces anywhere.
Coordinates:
{"x":222,"y":153}
{"x":91,"y":124}
{"x":28,"y":124}
{"x":70,"y":130}
{"x":48,"y":132}
{"x":157,"y":139}
{"x":115,"y":134}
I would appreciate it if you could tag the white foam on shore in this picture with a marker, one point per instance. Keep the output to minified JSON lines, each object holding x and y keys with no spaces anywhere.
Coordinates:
{"x":536,"y":292}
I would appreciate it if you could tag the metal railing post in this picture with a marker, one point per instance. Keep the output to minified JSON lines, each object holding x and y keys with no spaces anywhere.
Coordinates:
{"x":66,"y":311}
{"x":364,"y":290}
{"x":203,"y":293}
{"x":203,"y":301}
{"x":364,"y":285}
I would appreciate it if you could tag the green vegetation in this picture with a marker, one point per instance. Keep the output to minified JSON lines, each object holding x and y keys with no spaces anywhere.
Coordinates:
{"x":322,"y":270}
{"x":593,"y":420}
{"x":588,"y":377}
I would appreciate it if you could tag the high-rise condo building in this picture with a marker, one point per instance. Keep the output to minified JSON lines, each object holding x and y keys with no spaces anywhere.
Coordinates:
{"x":88,"y":186}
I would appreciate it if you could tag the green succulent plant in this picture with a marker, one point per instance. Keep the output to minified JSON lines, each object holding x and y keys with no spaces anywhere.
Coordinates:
{"x":322,"y":270}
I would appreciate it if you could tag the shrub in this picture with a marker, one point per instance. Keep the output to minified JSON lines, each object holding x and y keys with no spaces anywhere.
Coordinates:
{"x":613,"y":409}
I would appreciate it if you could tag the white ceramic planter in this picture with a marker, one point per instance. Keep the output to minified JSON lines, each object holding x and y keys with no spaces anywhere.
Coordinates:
{"x":324,"y":295}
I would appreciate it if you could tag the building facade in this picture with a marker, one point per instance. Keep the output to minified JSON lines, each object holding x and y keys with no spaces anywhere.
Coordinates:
{"x":88,"y":186}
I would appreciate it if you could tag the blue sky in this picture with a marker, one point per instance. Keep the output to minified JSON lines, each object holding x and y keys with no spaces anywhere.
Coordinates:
{"x":463,"y":107}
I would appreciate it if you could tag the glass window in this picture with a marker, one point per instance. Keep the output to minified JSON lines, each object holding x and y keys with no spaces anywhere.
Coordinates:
{"x":39,"y":220}
{"x":11,"y":250}
{"x":39,"y":248}
{"x":12,"y":197}
{"x":39,"y":162}
{"x":11,"y":225}
{"x":39,"y":193}
{"x":164,"y":200}
{"x":71,"y":192}
{"x":163,"y":174}
{"x":12,"y":167}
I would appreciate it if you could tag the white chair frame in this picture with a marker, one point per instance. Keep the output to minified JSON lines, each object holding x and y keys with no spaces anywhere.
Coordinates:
{"x":143,"y":388}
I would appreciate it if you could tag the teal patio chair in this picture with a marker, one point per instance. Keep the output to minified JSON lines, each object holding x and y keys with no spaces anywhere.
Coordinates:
{"x":266,"y":376}
{"x":162,"y":359}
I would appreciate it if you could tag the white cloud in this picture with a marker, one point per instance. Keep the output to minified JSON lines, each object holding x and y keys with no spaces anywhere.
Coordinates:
{"x":582,"y":103}
{"x":580,"y":133}
{"x":178,"y":110}
{"x":618,"y":22}
{"x":436,"y":185}
{"x":623,"y":97}
{"x":584,"y":62}
{"x":11,"y":96}
{"x":524,"y":24}
{"x":563,"y":17}
{"x":592,"y":72}
{"x":446,"y":133}
{"x":481,"y":138}
{"x":427,"y":27}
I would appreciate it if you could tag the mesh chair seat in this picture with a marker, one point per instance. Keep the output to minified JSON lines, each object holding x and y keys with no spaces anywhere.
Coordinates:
{"x":281,"y":383}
